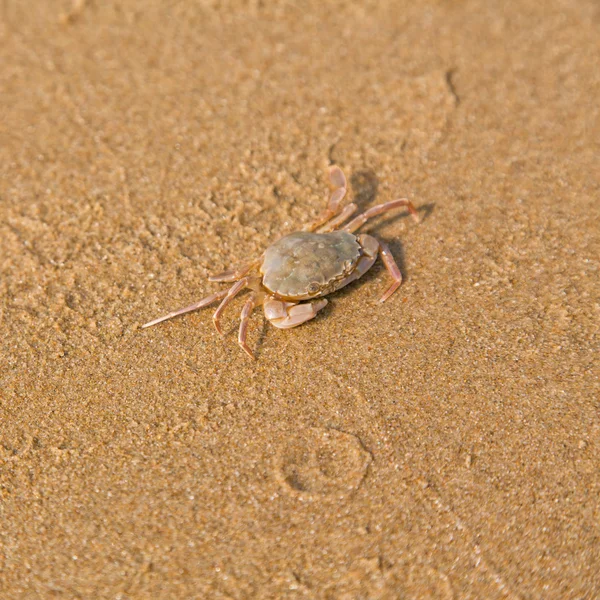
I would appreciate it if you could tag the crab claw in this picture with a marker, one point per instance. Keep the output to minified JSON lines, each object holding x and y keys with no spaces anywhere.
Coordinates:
{"x":285,"y":315}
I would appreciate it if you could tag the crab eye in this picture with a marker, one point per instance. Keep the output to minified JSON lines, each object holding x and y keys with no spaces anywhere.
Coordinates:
{"x":313,"y":287}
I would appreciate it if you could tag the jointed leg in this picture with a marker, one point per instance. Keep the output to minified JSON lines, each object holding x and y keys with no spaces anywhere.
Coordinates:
{"x":231,"y":294}
{"x":246,"y":311}
{"x":392,"y":268}
{"x":285,"y":315}
{"x":204,"y":302}
{"x":377,"y":210}
{"x":337,"y":221}
{"x":338,"y":180}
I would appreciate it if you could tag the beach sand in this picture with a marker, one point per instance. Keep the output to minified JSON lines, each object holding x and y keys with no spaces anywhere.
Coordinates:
{"x":444,"y":444}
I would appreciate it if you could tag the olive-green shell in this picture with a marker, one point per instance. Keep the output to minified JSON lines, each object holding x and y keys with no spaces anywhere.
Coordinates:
{"x":307,"y":265}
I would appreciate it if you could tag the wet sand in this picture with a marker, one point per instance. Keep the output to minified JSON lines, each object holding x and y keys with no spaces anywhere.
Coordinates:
{"x":444,"y":444}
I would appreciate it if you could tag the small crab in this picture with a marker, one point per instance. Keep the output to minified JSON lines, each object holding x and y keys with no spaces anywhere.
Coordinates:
{"x":306,"y":265}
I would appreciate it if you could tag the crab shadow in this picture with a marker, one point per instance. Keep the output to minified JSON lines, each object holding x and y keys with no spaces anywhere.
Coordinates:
{"x":365,"y":187}
{"x":262,"y":334}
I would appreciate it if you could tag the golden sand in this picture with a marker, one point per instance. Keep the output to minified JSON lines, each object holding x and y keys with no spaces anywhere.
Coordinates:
{"x":444,"y":444}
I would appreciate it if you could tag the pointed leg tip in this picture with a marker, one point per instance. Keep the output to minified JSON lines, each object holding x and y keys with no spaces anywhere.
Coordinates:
{"x":220,"y":329}
{"x":247,"y":350}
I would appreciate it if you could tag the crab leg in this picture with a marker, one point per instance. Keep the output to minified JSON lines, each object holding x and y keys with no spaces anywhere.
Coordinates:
{"x":233,"y":291}
{"x":392,"y":269}
{"x":377,"y":210}
{"x":285,"y":315}
{"x":337,"y":221}
{"x":338,"y":180}
{"x":201,"y":304}
{"x":246,"y":312}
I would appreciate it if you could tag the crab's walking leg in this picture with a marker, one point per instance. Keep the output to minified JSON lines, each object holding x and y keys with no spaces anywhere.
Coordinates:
{"x":246,"y":312}
{"x":285,"y":315}
{"x":392,"y":268}
{"x":204,"y":302}
{"x":338,"y":180}
{"x":377,"y":210}
{"x":234,"y":274}
{"x":231,"y":294}
{"x":337,"y":221}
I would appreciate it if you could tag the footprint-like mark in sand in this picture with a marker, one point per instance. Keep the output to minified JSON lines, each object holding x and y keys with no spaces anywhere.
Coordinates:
{"x":322,"y":462}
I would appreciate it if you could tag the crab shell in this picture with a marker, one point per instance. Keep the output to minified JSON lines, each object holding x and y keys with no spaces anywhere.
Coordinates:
{"x":305,"y":265}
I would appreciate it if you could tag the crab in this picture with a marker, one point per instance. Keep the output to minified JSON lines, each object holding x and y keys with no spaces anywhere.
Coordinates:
{"x":298,"y":270}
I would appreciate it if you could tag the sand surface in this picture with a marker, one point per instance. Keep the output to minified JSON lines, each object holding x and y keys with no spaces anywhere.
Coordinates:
{"x":445,"y":444}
